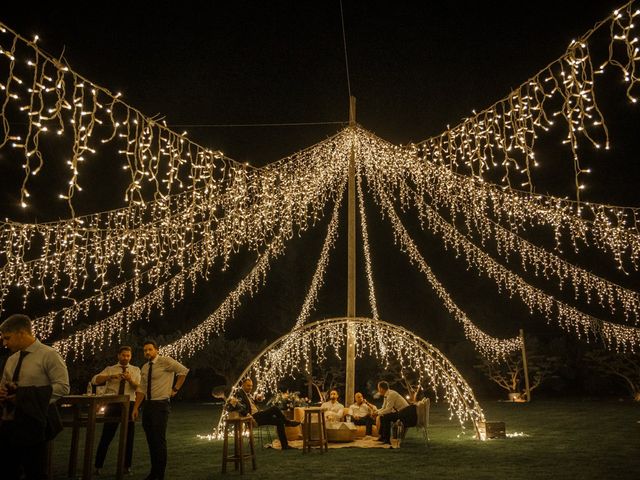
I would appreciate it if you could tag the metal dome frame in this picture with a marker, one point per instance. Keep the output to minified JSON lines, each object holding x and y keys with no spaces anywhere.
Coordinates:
{"x":292,"y":352}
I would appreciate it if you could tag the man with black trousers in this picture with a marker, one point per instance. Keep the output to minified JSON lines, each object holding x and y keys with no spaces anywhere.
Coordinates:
{"x":270,"y":416}
{"x":394,"y":408}
{"x":119,"y":379}
{"x":156,"y":389}
{"x":34,"y":378}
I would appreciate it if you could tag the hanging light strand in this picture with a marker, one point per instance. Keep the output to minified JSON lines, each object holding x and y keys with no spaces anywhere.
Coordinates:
{"x":613,"y":230}
{"x":504,"y":133}
{"x":544,"y":263}
{"x":486,"y":345}
{"x":571,"y":319}
{"x":366,"y":246}
{"x":197,"y":338}
{"x":244,"y":213}
{"x":50,"y":99}
{"x":317,"y":280}
{"x":288,"y":356}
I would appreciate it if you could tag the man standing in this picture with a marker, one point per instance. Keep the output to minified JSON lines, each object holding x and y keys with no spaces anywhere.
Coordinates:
{"x":156,"y":389}
{"x":361,"y":413}
{"x":394,"y":408}
{"x":119,"y":379}
{"x":34,"y":377}
{"x":334,"y":410}
{"x":271,"y":416}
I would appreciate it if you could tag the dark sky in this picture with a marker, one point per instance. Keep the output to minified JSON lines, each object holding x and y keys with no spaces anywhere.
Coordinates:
{"x":414,"y":67}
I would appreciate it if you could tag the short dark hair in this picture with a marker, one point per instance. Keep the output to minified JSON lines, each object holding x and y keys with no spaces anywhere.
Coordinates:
{"x":16,"y":323}
{"x":151,"y":342}
{"x":383,"y":385}
{"x":125,"y":348}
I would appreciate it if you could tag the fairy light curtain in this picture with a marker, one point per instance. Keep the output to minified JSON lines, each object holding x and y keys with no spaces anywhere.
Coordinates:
{"x":189,"y":207}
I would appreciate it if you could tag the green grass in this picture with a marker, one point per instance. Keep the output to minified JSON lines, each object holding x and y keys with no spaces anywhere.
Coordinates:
{"x":564,"y":440}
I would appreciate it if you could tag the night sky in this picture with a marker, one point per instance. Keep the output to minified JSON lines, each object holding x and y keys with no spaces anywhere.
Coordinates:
{"x":415,"y":67}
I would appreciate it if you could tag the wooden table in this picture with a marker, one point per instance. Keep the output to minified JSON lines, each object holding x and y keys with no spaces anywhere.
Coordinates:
{"x":84,"y":415}
{"x":308,"y":439}
{"x":238,"y":424}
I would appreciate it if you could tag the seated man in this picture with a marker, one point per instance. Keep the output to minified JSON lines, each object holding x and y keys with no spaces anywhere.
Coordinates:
{"x":271,"y":416}
{"x":395,"y":407}
{"x":361,"y":412}
{"x":334,"y":410}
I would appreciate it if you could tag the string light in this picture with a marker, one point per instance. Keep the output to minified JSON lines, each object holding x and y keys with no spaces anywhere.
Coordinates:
{"x":56,"y":98}
{"x":604,"y":226}
{"x":568,"y":317}
{"x":115,"y":326}
{"x":544,"y":263}
{"x":318,"y":277}
{"x":504,"y":134}
{"x":223,"y":207}
{"x":365,"y":242}
{"x":198,"y":337}
{"x":243,"y":212}
{"x":486,"y":345}
{"x":611,"y":229}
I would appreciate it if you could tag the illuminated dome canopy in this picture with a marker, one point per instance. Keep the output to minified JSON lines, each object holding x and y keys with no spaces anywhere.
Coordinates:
{"x":292,"y":353}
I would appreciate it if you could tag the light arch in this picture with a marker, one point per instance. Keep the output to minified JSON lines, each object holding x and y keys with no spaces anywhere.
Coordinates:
{"x":294,"y":351}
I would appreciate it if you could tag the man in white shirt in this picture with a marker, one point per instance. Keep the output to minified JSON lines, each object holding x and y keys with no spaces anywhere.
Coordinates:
{"x":156,"y":389}
{"x":395,"y":407}
{"x":119,"y":379}
{"x":361,"y":412}
{"x":334,"y":410}
{"x":34,"y":377}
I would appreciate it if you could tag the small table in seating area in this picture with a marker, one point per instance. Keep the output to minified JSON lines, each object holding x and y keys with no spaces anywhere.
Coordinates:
{"x":341,"y":432}
{"x":308,"y":439}
{"x":84,"y":414}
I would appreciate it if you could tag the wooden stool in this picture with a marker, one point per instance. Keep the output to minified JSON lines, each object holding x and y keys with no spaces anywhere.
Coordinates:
{"x":239,"y":424}
{"x":307,"y":440}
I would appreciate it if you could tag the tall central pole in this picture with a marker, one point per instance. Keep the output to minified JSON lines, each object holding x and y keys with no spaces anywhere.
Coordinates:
{"x":351,"y":268}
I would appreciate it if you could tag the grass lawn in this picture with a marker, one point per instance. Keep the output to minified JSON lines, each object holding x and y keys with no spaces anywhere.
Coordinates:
{"x":567,"y":439}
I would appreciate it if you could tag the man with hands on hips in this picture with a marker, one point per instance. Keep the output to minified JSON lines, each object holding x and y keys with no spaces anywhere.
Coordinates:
{"x":156,"y":390}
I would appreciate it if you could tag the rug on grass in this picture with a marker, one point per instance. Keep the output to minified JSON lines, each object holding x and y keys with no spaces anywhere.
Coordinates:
{"x":364,"y":442}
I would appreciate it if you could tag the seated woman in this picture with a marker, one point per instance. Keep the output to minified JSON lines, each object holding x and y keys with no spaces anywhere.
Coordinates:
{"x":334,"y":410}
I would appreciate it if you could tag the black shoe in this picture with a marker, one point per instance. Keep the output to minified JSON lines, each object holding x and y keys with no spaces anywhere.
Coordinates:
{"x":291,"y":423}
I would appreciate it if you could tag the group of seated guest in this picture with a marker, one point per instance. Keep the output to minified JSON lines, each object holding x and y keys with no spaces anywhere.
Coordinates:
{"x":361,"y":412}
{"x":395,"y":407}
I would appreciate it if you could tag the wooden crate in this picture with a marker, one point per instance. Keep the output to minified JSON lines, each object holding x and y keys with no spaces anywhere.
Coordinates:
{"x":492,"y":430}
